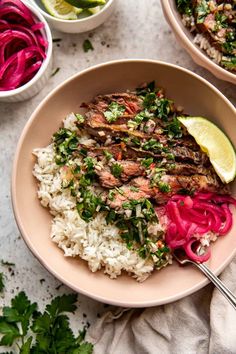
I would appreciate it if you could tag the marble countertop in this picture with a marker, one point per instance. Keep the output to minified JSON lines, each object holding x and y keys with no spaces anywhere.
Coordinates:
{"x":137,"y":29}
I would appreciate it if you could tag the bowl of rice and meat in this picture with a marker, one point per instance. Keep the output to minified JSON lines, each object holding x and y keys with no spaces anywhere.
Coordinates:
{"x":207,"y":30}
{"x":122,"y":183}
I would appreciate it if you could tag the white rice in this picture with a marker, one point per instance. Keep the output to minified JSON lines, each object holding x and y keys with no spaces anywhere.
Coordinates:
{"x":96,"y":242}
{"x":201,"y":40}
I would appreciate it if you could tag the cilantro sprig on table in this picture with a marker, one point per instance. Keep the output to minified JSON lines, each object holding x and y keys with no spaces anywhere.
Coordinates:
{"x":33,"y":332}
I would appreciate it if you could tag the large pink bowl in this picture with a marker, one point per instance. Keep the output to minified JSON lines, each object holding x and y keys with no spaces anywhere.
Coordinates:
{"x":185,"y":38}
{"x":188,"y":90}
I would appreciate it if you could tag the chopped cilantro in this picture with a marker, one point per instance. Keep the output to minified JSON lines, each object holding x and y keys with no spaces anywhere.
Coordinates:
{"x":161,"y":107}
{"x":1,"y":282}
{"x":143,"y":91}
{"x":136,"y":141}
{"x":107,"y":154}
{"x":56,"y":40}
{"x":147,"y":162}
{"x":174,"y":129}
{"x":55,"y":72}
{"x":164,"y":187}
{"x":87,"y":45}
{"x":139,"y":118}
{"x":111,"y":216}
{"x":116,"y":170}
{"x":89,"y":163}
{"x":184,"y":6}
{"x":89,"y":204}
{"x":83,"y":152}
{"x":8,"y":264}
{"x":111,"y":194}
{"x":65,"y":142}
{"x":114,"y":111}
{"x":80,"y":118}
{"x":152,"y":144}
{"x":202,"y":10}
{"x":229,"y":62}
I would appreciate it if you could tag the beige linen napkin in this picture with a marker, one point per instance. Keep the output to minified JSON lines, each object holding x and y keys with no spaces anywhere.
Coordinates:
{"x":198,"y":324}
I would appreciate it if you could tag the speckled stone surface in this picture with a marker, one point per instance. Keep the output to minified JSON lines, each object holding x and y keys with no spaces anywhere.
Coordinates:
{"x":137,"y":29}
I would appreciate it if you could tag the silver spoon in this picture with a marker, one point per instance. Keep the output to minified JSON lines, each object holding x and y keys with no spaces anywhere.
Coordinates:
{"x":180,"y":255}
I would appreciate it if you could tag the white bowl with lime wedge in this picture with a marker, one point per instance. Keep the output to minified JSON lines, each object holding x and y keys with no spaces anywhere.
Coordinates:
{"x":75,"y":16}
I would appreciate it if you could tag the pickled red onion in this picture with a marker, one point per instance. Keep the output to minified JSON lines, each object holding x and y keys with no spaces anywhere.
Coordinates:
{"x":22,"y":45}
{"x":190,"y":218}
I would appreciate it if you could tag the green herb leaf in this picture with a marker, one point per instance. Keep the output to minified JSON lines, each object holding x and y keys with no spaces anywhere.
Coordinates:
{"x":64,"y":303}
{"x":164,"y":187}
{"x":55,"y":72}
{"x":114,"y":111}
{"x":10,"y":332}
{"x":1,"y":282}
{"x":51,"y":329}
{"x":80,"y":118}
{"x":184,"y":7}
{"x":107,"y":154}
{"x":174,"y":129}
{"x":87,"y":45}
{"x":116,"y":170}
{"x":25,"y":349}
{"x":143,"y":91}
{"x":147,"y":162}
{"x":65,"y":143}
{"x":89,"y":204}
{"x":139,"y":118}
{"x":85,"y":348}
{"x":9,"y":264}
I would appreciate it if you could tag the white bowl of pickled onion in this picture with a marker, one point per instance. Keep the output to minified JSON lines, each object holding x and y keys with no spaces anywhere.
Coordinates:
{"x":38,"y":68}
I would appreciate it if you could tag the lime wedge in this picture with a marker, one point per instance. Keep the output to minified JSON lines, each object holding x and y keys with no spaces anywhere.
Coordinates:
{"x":94,"y":10}
{"x":61,"y":9}
{"x":215,"y":144}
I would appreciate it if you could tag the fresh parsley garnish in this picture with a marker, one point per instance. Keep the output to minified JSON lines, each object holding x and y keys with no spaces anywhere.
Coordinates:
{"x":80,"y":118}
{"x":160,"y":107}
{"x":147,"y":162}
{"x":184,"y":7}
{"x":139,"y":118}
{"x":1,"y":282}
{"x":88,"y":205}
{"x":6,"y":263}
{"x":87,"y":45}
{"x":42,"y":333}
{"x":164,"y":187}
{"x":114,"y":111}
{"x":174,"y":129}
{"x":107,"y":154}
{"x":116,"y":170}
{"x":65,"y":142}
{"x":55,"y":72}
{"x":143,"y":91}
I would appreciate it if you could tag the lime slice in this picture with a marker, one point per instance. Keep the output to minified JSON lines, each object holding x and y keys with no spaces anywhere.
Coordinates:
{"x":215,"y":144}
{"x":61,"y":9}
{"x":94,"y":10}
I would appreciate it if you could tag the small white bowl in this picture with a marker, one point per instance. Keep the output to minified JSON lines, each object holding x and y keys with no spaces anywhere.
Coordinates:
{"x":40,"y":79}
{"x":81,"y":25}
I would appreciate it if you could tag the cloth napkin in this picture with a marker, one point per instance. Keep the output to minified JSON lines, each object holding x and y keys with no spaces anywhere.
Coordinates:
{"x":198,"y":324}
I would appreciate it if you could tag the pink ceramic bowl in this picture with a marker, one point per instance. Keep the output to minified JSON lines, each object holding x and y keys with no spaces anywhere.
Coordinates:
{"x":186,"y":40}
{"x":34,"y":221}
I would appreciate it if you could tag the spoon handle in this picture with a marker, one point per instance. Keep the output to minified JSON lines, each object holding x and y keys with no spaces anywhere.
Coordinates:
{"x":218,"y":283}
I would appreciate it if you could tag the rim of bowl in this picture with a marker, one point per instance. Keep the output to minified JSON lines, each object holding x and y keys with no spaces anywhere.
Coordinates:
{"x":46,"y":61}
{"x":207,"y":61}
{"x":16,"y":208}
{"x":85,"y":19}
